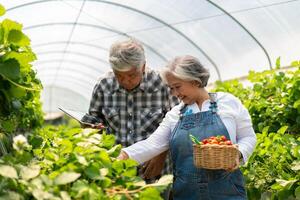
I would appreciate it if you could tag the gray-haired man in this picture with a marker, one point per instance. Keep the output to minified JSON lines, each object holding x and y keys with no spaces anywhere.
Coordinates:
{"x":131,"y":100}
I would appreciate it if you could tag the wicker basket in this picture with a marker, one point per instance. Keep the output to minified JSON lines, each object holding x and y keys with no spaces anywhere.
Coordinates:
{"x":215,"y":156}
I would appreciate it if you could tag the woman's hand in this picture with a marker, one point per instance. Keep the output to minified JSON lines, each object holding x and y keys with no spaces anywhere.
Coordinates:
{"x":123,"y":156}
{"x":237,"y":163}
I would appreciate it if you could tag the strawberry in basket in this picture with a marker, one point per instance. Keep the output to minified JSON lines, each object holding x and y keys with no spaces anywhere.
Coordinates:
{"x":215,"y":152}
{"x":219,"y":139}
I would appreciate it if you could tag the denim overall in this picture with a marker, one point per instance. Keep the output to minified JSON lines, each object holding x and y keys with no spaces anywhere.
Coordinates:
{"x":191,"y":183}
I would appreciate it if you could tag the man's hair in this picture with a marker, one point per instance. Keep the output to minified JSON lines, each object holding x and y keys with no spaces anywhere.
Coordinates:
{"x":187,"y":68}
{"x":123,"y":55}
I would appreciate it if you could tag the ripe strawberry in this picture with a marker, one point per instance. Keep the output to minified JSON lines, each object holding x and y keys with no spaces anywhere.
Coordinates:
{"x":214,"y":141}
{"x":223,"y":138}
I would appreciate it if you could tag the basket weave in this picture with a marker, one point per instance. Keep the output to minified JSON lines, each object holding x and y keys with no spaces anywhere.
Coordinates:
{"x":215,"y":156}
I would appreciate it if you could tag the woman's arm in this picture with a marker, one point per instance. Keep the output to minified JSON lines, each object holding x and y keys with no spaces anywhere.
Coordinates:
{"x":245,"y":135}
{"x":158,"y":141}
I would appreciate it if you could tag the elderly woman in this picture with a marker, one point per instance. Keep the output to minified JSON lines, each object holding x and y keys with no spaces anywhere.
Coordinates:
{"x":201,"y":114}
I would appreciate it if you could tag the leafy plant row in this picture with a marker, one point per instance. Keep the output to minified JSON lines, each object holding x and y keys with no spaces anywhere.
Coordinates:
{"x":20,"y":107}
{"x":273,"y":101}
{"x":63,"y":164}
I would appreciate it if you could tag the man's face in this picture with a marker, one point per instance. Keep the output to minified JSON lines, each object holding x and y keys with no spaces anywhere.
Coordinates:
{"x":131,"y":78}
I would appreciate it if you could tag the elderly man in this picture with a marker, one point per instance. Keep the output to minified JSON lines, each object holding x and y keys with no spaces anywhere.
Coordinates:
{"x":131,"y":100}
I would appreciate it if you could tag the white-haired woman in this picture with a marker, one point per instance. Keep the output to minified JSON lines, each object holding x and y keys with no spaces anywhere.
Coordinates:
{"x":201,"y":114}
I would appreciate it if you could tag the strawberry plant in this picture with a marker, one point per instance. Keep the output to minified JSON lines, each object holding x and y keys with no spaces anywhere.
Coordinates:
{"x":273,"y":100}
{"x":59,"y":163}
{"x":20,"y":108}
{"x":273,"y":170}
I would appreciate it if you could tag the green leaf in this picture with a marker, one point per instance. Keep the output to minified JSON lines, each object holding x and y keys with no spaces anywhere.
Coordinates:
{"x":80,"y":187}
{"x":66,"y":177}
{"x":115,"y":151}
{"x":24,"y":59}
{"x":296,"y":104}
{"x":10,"y":69}
{"x":282,"y":130}
{"x":165,"y":180}
{"x":18,"y":38}
{"x":150,"y":194}
{"x":2,"y":10}
{"x":106,"y":182}
{"x":81,"y":160}
{"x":29,"y":172}
{"x":40,"y":194}
{"x":64,"y":195}
{"x":86,"y":191}
{"x":130,"y":163}
{"x":35,"y":141}
{"x":130,"y":172}
{"x":278,"y":63}
{"x":8,"y":171}
{"x":104,"y":171}
{"x":194,"y":139}
{"x":9,"y":125}
{"x":118,"y":166}
{"x":285,"y":183}
{"x":1,"y":35}
{"x":266,"y":195}
{"x":9,"y":25}
{"x":108,"y":141}
{"x":295,"y":63}
{"x":297,"y":192}
{"x":296,"y":165}
{"x":10,"y":195}
{"x":16,"y":104}
{"x":103,"y":155}
{"x":65,"y":146}
{"x":93,"y":172}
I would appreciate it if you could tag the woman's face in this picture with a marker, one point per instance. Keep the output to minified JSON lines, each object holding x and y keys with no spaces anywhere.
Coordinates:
{"x":187,"y":91}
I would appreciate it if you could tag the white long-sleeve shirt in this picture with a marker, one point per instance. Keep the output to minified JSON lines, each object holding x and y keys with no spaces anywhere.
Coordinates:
{"x":233,"y":114}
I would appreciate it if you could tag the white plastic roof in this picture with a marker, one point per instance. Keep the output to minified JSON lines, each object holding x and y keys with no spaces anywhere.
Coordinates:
{"x":71,"y":38}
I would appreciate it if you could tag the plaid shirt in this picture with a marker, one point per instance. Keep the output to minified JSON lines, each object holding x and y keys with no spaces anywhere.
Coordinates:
{"x":131,"y":115}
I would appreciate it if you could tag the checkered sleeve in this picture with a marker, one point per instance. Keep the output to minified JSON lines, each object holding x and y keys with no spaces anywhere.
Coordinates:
{"x":94,"y":114}
{"x":171,"y":100}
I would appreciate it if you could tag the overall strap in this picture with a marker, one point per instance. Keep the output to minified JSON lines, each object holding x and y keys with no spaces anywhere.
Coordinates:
{"x":213,"y":102}
{"x":182,"y":110}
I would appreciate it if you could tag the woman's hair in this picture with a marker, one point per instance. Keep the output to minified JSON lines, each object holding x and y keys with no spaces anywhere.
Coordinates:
{"x":123,"y":55}
{"x":187,"y":68}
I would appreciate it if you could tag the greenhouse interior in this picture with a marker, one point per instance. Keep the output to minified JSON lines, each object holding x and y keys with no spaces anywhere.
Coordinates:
{"x":148,"y":99}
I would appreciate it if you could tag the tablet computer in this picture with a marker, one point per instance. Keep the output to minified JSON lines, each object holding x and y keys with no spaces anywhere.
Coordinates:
{"x":75,"y":115}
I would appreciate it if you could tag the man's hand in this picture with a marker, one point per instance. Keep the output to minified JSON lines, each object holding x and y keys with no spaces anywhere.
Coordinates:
{"x":94,"y":126}
{"x":153,"y":167}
